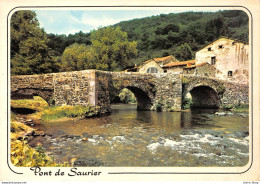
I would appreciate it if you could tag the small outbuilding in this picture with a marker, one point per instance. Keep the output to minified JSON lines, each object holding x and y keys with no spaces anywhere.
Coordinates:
{"x":177,"y":66}
{"x":155,"y":65}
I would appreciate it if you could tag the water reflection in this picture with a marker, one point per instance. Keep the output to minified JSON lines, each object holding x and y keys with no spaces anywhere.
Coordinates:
{"x":145,"y":138}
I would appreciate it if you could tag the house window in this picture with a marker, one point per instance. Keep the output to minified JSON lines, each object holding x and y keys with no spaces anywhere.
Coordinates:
{"x":233,"y":43}
{"x":209,"y":49}
{"x":213,"y":60}
{"x":220,"y":46}
{"x":230,"y":73}
{"x":152,"y":70}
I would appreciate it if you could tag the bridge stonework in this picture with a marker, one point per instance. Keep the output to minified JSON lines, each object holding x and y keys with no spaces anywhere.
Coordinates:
{"x":96,"y":88}
{"x":212,"y":92}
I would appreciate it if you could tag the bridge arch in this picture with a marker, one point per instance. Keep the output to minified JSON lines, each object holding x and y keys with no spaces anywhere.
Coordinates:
{"x":28,"y":93}
{"x":204,"y":97}
{"x":204,"y":92}
{"x":142,"y":86}
{"x":143,"y":100}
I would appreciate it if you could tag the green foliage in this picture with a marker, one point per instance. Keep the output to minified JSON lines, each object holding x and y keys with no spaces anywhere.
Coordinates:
{"x":237,"y":108}
{"x":29,"y":52}
{"x":58,"y":43}
{"x":160,"y":34}
{"x":77,"y":57}
{"x":186,"y":103}
{"x":159,"y":105}
{"x":183,"y":52}
{"x":53,"y":113}
{"x":37,"y":103}
{"x":185,"y":80}
{"x":221,"y":88}
{"x":112,"y":50}
{"x":126,"y":96}
{"x":24,"y":156}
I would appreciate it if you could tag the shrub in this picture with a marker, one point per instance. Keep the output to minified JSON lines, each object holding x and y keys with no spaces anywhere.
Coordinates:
{"x":186,"y":103}
{"x":57,"y":112}
{"x":23,"y":155}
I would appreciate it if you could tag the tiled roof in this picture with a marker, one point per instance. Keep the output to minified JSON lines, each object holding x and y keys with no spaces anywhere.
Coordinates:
{"x":180,"y":63}
{"x":198,"y":65}
{"x":161,"y":59}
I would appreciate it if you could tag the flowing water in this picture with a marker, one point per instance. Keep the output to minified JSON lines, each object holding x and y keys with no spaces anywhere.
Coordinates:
{"x":146,"y":138}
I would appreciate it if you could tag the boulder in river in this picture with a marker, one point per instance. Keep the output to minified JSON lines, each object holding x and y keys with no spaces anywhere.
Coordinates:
{"x":220,"y":113}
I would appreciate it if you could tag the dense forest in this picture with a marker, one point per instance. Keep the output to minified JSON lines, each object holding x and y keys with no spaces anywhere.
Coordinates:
{"x":164,"y":35}
{"x":180,"y":34}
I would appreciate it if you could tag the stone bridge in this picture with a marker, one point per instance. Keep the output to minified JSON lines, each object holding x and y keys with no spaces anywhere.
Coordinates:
{"x":93,"y":87}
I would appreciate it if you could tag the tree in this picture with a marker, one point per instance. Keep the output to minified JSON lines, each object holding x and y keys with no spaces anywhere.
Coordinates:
{"x":77,"y":57}
{"x":112,"y":49}
{"x":183,"y":52}
{"x":29,"y":52}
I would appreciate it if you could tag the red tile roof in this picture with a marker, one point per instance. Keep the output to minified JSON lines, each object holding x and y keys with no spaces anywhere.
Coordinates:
{"x":166,"y":58}
{"x":198,"y":65}
{"x":180,"y":63}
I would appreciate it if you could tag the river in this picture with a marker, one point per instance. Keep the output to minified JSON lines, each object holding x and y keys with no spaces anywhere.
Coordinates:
{"x":129,"y":137}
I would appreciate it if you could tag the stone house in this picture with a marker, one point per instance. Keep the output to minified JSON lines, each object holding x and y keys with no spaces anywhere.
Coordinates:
{"x":229,"y":57}
{"x":177,"y":66}
{"x":202,"y":69}
{"x":155,"y":65}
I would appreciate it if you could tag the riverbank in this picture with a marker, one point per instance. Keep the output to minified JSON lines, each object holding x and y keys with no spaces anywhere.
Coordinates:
{"x":22,"y":129}
{"x":238,"y":108}
{"x":42,"y":111}
{"x":23,"y":155}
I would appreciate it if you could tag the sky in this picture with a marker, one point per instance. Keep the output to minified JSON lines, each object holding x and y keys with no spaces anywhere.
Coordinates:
{"x":73,"y":21}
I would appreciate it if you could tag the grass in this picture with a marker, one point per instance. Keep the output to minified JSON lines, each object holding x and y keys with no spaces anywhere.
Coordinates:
{"x":237,"y":108}
{"x":57,"y":112}
{"x":241,"y":108}
{"x":47,"y":113}
{"x":37,"y":103}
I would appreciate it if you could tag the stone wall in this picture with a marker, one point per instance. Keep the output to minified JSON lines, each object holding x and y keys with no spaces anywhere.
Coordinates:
{"x":150,"y":90}
{"x":175,"y":69}
{"x":27,"y":86}
{"x":235,"y":94}
{"x":230,"y":55}
{"x":168,"y":92}
{"x":74,"y":88}
{"x":228,"y":93}
{"x":153,"y":91}
{"x":103,"y":87}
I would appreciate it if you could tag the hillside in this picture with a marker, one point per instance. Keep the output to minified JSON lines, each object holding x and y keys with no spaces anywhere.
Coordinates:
{"x":158,"y":36}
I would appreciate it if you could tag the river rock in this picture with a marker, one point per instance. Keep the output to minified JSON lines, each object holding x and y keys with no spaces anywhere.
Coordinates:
{"x":220,"y":113}
{"x":84,"y":139}
{"x":81,"y":162}
{"x":39,"y":133}
{"x":242,"y":115}
{"x":86,"y":135}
